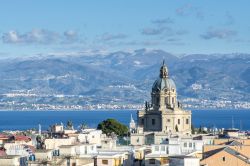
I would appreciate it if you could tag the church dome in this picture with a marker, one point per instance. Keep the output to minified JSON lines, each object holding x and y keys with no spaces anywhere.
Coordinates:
{"x":163,"y":82}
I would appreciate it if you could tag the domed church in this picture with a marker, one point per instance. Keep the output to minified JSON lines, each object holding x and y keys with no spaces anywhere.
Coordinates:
{"x":163,"y":116}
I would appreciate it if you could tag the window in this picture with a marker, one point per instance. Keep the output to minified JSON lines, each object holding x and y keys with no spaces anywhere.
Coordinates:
{"x":168,"y":120}
{"x":105,"y":162}
{"x":151,"y":161}
{"x":142,"y":121}
{"x":179,"y":121}
{"x":156,"y":148}
{"x":93,"y":136}
{"x":138,"y":140}
{"x":224,"y":158}
{"x":153,"y":121}
{"x":157,"y":100}
{"x":187,"y":121}
{"x":163,"y":148}
{"x":166,"y":100}
{"x":190,"y":144}
{"x":185,"y":144}
{"x":164,"y":160}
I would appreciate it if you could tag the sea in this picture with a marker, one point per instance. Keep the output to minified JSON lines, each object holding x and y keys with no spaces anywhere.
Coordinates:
{"x":23,"y":120}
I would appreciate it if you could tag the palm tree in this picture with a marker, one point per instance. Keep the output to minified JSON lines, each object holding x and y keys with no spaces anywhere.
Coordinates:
{"x":83,"y":126}
{"x":69,"y":124}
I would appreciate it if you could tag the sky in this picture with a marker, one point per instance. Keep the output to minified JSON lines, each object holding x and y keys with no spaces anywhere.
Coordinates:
{"x":60,"y":27}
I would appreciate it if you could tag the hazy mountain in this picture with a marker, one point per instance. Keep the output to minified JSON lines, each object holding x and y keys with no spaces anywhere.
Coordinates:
{"x":127,"y":77}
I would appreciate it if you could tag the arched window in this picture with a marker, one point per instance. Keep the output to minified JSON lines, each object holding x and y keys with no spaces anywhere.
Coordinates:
{"x":166,"y":100}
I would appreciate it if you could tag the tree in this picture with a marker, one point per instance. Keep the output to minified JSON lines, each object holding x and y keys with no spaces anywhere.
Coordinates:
{"x":193,"y":129}
{"x":40,"y":142}
{"x":70,"y":125}
{"x":109,"y":126}
{"x":83,"y":126}
{"x":200,"y":130}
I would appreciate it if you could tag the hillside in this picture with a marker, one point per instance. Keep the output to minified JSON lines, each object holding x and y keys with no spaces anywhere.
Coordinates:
{"x":121,"y":78}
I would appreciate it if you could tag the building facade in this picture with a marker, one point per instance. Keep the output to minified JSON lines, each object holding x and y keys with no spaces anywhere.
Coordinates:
{"x":164,"y":115}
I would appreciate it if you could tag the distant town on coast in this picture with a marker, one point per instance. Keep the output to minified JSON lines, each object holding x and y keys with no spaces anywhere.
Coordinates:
{"x":121,"y":80}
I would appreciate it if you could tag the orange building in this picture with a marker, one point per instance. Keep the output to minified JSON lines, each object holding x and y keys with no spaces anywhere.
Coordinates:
{"x":226,"y":152}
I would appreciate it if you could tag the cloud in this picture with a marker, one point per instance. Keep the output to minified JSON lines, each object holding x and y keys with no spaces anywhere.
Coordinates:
{"x":163,"y":32}
{"x":11,"y":37}
{"x":189,"y":9}
{"x":153,"y":31}
{"x":38,"y":36}
{"x":110,"y":37}
{"x":219,"y":34}
{"x":162,"y":28}
{"x":184,"y":10}
{"x":71,"y":35}
{"x":164,"y":21}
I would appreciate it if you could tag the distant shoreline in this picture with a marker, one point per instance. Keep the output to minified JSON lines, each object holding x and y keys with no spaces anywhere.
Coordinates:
{"x":113,"y":110}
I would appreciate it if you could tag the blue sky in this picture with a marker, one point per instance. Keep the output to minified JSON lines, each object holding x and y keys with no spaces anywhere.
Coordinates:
{"x":46,"y":27}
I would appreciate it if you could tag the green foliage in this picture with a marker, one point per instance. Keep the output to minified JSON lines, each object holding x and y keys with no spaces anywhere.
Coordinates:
{"x":111,"y":125}
{"x":193,"y":129}
{"x":69,"y":124}
{"x":202,"y":131}
{"x":83,"y":126}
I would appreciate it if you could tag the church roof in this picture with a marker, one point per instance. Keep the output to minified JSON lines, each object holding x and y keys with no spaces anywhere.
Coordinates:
{"x":163,"y":82}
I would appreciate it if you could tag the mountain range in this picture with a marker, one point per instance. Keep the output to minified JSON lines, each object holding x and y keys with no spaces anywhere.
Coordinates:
{"x":125,"y":77}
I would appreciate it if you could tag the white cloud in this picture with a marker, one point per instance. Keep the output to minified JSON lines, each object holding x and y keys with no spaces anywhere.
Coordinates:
{"x":219,"y":34}
{"x":10,"y":37}
{"x":39,"y":36}
{"x":71,"y":35}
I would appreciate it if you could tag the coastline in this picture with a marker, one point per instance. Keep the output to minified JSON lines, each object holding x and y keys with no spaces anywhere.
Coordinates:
{"x":113,"y":110}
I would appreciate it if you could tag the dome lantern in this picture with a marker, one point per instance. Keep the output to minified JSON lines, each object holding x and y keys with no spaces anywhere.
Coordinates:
{"x":163,"y":70}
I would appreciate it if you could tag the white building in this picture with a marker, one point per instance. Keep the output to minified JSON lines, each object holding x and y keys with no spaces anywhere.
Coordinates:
{"x":43,"y":154}
{"x":92,"y":136}
{"x":54,"y":143}
{"x":12,"y":160}
{"x":19,"y":149}
{"x":184,"y":161}
{"x":115,"y":158}
{"x":77,"y":149}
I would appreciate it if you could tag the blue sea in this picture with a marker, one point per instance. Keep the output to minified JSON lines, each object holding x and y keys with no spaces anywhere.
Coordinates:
{"x":21,"y":120}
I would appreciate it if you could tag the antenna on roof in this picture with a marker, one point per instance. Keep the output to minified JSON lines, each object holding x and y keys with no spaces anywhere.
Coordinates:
{"x":163,"y":62}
